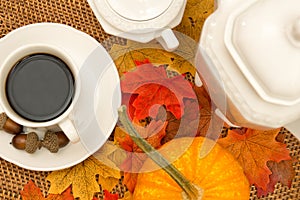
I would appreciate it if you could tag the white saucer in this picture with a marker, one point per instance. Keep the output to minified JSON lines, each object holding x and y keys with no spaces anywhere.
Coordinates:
{"x":80,"y":47}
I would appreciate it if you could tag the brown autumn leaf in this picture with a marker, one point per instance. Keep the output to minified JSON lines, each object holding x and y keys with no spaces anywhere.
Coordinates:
{"x":282,"y":172}
{"x":82,"y":177}
{"x":194,"y":16}
{"x":196,"y":120}
{"x":32,"y":192}
{"x":208,"y":118}
{"x":253,"y":150}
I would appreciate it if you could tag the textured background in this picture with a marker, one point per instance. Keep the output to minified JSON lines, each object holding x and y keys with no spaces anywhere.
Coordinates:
{"x":78,"y":14}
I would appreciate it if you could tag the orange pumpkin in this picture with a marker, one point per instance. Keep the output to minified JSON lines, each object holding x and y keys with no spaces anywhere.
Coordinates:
{"x":218,"y":174}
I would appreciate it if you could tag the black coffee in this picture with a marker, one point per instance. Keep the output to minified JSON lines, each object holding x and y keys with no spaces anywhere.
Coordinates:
{"x":40,"y":87}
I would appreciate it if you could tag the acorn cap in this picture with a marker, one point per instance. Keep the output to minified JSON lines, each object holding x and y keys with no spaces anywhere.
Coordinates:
{"x":3,"y":118}
{"x":32,"y":142}
{"x":50,"y":142}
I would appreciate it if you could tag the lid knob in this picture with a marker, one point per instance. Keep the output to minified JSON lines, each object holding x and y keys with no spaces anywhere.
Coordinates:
{"x":139,"y":10}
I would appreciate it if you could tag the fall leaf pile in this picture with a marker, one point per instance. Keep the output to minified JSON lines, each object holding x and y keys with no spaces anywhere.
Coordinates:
{"x":163,"y":103}
{"x":157,"y":109}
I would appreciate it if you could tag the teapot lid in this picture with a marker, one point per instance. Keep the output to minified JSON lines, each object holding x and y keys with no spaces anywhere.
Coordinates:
{"x":139,"y":10}
{"x":263,"y":37}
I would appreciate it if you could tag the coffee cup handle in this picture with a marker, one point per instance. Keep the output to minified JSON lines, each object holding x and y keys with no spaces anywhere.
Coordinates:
{"x":69,"y":129}
{"x":168,"y":40}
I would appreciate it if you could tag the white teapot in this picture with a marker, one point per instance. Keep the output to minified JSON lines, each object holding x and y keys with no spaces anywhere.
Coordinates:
{"x":251,"y":51}
{"x":141,"y":20}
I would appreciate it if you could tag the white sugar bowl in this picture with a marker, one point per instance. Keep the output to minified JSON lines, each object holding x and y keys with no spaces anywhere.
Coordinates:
{"x":251,"y":49}
{"x":141,"y":20}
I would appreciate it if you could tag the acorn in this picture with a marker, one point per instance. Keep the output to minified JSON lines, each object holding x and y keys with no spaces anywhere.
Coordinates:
{"x":28,"y":142}
{"x":62,"y":139}
{"x":54,"y":140}
{"x":9,"y":126}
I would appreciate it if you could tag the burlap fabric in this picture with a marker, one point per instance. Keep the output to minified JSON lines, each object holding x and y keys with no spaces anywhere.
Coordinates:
{"x":78,"y":14}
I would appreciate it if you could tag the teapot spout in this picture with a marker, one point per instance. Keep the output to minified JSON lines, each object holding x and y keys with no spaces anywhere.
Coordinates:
{"x":294,"y":128}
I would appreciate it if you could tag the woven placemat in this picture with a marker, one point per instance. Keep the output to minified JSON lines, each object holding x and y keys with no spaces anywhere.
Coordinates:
{"x":78,"y":14}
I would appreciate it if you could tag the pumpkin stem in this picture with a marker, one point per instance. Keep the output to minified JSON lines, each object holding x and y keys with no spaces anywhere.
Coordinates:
{"x":193,"y":192}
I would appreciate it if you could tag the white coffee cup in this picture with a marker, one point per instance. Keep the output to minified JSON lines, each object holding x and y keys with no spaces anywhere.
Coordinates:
{"x":63,"y":121}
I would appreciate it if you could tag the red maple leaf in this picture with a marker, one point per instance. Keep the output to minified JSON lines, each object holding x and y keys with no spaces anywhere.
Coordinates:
{"x":253,"y":149}
{"x":127,"y":100}
{"x":138,"y":62}
{"x":110,"y":196}
{"x":154,"y":88}
{"x":32,"y":192}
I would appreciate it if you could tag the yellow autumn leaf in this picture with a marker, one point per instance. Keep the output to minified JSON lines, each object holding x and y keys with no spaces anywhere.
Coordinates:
{"x":181,"y":60}
{"x":82,"y":177}
{"x":194,"y":16}
{"x":128,"y":196}
{"x":112,"y":156}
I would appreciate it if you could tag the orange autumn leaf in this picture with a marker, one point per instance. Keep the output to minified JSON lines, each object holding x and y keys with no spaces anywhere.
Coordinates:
{"x":153,"y":133}
{"x":66,"y":195}
{"x":253,"y":149}
{"x":32,"y":192}
{"x":133,"y":163}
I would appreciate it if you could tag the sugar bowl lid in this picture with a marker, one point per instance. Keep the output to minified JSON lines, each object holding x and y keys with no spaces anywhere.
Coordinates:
{"x":263,"y":38}
{"x":138,"y":15}
{"x":139,"y":10}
